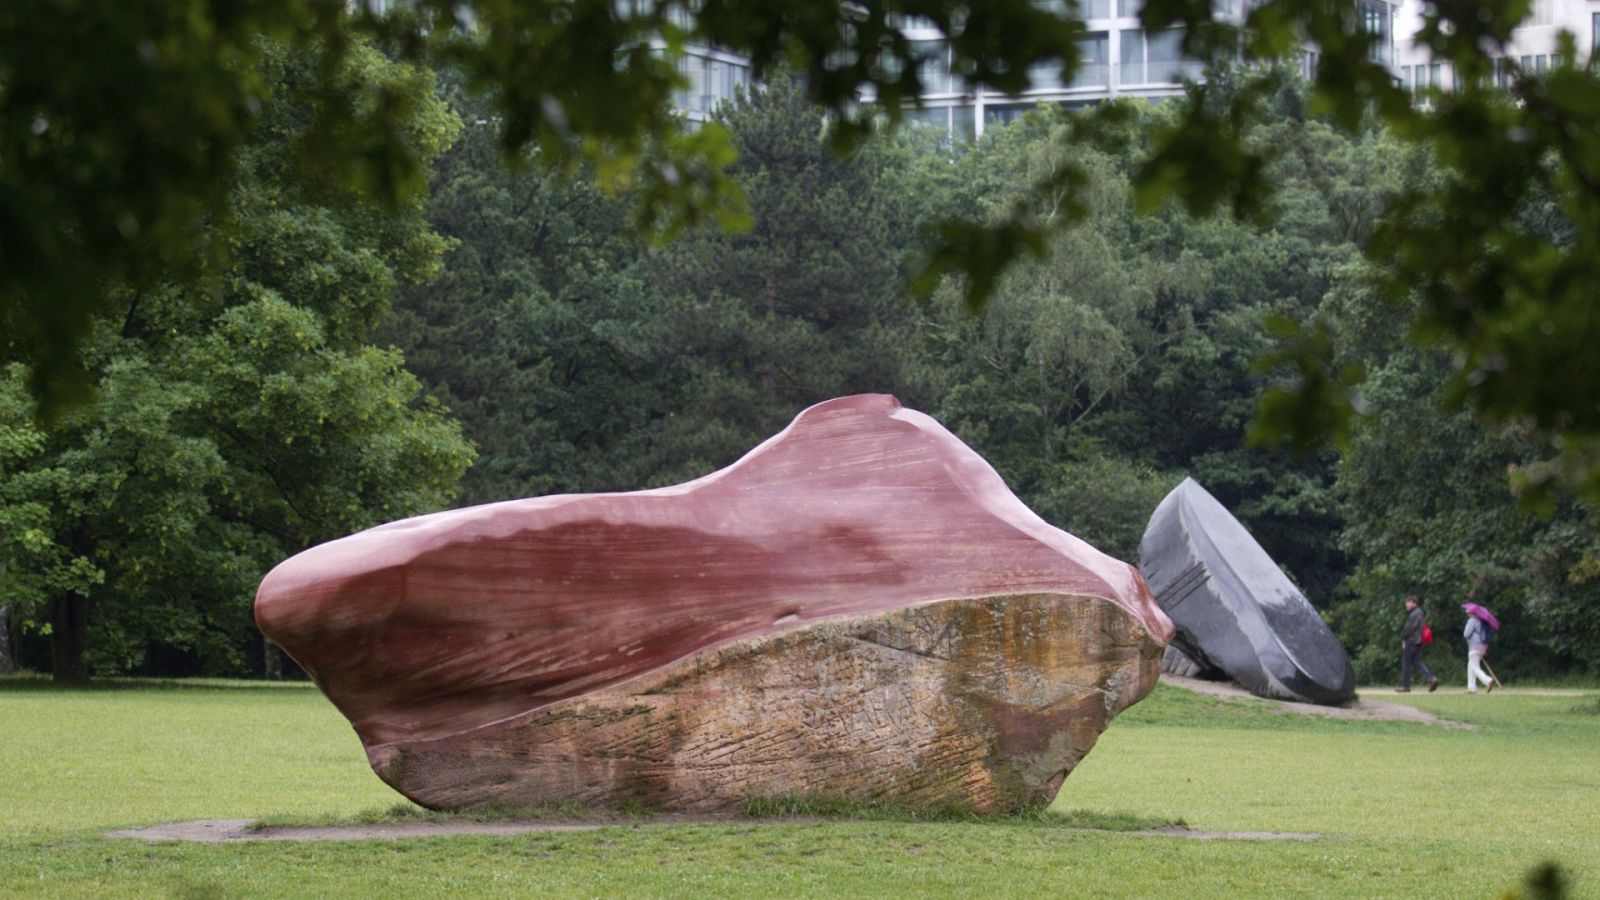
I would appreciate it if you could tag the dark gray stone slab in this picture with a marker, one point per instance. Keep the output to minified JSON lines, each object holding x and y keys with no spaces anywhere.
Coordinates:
{"x":1236,"y":613}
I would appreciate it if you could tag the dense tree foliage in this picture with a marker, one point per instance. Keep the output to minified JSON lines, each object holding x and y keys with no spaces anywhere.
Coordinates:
{"x":236,"y":420}
{"x":1428,"y":510}
{"x":749,"y":328}
{"x":1126,"y":359}
{"x":245,"y":411}
{"x":1095,"y":378}
{"x":578,"y":359}
{"x":525,"y":334}
{"x":120,"y":127}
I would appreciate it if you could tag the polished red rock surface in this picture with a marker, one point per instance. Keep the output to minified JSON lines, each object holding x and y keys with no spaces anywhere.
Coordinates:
{"x":432,"y":627}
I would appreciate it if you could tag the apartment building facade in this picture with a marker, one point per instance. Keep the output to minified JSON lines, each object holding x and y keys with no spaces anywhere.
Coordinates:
{"x":1534,"y":46}
{"x":1121,"y":58}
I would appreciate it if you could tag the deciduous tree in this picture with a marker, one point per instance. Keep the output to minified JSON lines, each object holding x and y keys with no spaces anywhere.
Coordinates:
{"x":119,"y":128}
{"x":237,"y":419}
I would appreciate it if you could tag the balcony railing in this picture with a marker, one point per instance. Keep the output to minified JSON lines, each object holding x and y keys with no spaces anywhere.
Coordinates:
{"x":1089,"y":75}
{"x":1174,"y":71}
{"x":1158,"y":71}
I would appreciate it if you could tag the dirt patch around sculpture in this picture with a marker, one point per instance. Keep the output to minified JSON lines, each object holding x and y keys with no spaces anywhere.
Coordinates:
{"x":219,"y":831}
{"x":1362,"y":708}
{"x":1179,"y":831}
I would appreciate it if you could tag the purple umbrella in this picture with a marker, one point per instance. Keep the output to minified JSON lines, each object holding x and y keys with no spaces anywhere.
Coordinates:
{"x":1478,"y":612}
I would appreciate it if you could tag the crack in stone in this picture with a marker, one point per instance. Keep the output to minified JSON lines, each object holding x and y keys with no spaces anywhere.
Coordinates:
{"x":907,"y":650}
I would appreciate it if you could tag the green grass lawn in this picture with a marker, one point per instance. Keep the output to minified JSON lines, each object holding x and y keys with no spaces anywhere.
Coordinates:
{"x":1404,"y":810}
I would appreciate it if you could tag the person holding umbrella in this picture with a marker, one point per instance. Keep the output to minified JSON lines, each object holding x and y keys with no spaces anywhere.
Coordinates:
{"x":1479,"y":622}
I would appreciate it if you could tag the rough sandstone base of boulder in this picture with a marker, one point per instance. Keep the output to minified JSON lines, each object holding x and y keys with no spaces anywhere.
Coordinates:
{"x":987,"y":703}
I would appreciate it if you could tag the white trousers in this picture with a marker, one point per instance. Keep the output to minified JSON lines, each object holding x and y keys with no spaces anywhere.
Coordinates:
{"x":1475,"y":671}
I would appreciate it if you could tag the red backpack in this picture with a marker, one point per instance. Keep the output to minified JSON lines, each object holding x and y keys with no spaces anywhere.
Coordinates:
{"x":1427,"y":634}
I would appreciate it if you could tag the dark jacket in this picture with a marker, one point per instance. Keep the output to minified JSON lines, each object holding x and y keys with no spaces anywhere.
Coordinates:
{"x":1411,"y":631}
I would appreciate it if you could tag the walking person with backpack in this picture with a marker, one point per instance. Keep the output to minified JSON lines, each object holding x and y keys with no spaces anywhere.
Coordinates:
{"x":1477,"y":635}
{"x":1413,"y":635}
{"x":1481,"y":625}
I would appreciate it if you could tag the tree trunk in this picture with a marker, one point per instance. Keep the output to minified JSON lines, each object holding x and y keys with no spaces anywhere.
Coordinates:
{"x":69,"y":628}
{"x":7,"y":663}
{"x":271,"y":661}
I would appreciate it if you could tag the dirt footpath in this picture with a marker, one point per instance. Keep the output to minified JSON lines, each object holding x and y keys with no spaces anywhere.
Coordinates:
{"x":1363,"y":707}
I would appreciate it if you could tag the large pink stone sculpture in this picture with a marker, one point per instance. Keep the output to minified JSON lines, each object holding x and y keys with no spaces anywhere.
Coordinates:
{"x":858,"y":608}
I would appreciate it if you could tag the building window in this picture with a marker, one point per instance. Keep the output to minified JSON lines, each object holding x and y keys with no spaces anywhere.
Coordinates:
{"x":1132,"y":71}
{"x":1375,"y":20}
{"x":963,"y":123}
{"x":692,"y":68}
{"x":710,"y":81}
{"x":995,"y":116}
{"x":1046,"y":76}
{"x":1094,"y":55}
{"x":1129,"y":9}
{"x":934,"y":68}
{"x":930,"y":118}
{"x":1164,"y":50}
